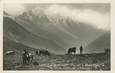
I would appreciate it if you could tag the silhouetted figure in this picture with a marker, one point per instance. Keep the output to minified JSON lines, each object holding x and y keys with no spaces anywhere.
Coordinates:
{"x":81,"y":49}
{"x":24,"y":57}
{"x":37,"y":52}
{"x":107,"y":51}
{"x":72,"y":50}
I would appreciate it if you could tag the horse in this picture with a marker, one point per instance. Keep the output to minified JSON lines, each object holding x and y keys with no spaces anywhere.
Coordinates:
{"x":27,"y":58}
{"x":72,"y":50}
{"x":30,"y":57}
{"x":44,"y":52}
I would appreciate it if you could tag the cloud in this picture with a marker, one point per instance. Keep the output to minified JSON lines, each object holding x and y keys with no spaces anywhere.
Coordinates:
{"x":94,"y":18}
{"x":14,"y":9}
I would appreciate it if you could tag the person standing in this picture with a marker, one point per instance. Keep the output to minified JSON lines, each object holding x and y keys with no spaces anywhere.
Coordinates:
{"x":81,"y":49}
{"x":24,"y":56}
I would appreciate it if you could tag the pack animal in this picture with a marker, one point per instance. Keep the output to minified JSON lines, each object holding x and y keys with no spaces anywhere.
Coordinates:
{"x":27,"y":57}
{"x":30,"y":57}
{"x":72,"y":50}
{"x":44,"y":52}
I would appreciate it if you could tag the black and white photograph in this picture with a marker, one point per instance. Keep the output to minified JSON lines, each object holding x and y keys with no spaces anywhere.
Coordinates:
{"x":56,"y":37}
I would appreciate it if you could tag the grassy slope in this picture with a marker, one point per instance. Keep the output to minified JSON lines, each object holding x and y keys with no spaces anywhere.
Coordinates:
{"x":15,"y":32}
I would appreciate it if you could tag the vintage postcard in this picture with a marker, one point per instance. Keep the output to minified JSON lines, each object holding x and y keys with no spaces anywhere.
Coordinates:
{"x":56,"y":36}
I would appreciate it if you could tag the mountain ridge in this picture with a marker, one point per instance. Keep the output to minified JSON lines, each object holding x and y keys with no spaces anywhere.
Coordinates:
{"x":15,"y":31}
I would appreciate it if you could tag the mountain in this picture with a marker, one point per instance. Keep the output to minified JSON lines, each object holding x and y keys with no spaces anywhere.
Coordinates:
{"x":62,"y":30}
{"x":15,"y":46}
{"x":100,"y":44}
{"x":57,"y":33}
{"x":45,"y":27}
{"x":16,"y":33}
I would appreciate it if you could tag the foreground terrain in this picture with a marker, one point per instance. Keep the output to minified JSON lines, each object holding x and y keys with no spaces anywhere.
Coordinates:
{"x":95,"y":61}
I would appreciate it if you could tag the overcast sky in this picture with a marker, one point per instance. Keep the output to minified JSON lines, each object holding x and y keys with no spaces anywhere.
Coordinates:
{"x":97,"y":15}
